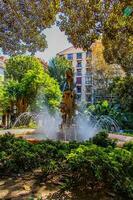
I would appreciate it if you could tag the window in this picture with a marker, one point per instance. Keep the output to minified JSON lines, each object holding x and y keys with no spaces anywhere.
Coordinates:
{"x":88,"y":89}
{"x":88,"y":79}
{"x":99,"y":92}
{"x":79,"y":80}
{"x":88,"y":98}
{"x":70,"y":56}
{"x":78,"y":97}
{"x":78,"y":89}
{"x":79,"y":55}
{"x":88,"y":71}
{"x":79,"y":72}
{"x":79,"y":64}
{"x":88,"y":54}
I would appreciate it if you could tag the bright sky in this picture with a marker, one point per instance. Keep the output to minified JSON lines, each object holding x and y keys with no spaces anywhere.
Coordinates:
{"x":57,"y":41}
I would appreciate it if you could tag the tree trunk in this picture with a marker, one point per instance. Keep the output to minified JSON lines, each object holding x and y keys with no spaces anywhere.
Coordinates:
{"x":22,"y":106}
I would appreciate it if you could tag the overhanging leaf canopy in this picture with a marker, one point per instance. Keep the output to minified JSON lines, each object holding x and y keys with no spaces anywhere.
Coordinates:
{"x":23,"y":22}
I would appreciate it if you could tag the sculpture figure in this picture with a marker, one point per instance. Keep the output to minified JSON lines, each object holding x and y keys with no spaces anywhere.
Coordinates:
{"x":68,"y":101}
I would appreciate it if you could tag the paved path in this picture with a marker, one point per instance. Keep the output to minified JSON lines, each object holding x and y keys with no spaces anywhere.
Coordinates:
{"x":122,"y":138}
{"x":23,"y":132}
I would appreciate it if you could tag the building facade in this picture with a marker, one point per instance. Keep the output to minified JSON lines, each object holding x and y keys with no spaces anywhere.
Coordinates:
{"x":81,"y":62}
{"x":92,"y":77}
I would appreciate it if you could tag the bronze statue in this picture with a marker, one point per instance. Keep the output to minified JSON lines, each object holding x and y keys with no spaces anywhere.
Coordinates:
{"x":68,"y":101}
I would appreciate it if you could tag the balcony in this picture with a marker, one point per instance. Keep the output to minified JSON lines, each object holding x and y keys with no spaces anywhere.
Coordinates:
{"x":79,"y":72}
{"x":88,"y":90}
{"x":89,"y":98}
{"x":78,"y":89}
{"x":88,"y":79}
{"x":79,"y":64}
{"x":78,"y":80}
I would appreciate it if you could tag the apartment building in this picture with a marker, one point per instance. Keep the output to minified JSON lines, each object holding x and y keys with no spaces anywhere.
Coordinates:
{"x":81,"y":62}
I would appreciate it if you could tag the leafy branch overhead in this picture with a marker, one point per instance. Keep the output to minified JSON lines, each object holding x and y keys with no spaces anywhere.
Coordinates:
{"x":84,"y":21}
{"x":23,"y":23}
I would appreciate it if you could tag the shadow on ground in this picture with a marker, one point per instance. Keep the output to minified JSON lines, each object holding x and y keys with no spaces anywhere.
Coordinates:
{"x":33,"y":186}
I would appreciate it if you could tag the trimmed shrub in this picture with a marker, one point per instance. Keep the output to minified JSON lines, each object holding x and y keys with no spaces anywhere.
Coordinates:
{"x":101,"y":139}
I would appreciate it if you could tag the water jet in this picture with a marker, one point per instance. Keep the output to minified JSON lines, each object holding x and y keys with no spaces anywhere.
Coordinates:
{"x":69,"y":124}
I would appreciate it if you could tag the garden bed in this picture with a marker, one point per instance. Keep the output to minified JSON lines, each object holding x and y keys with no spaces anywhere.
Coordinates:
{"x":74,"y":169}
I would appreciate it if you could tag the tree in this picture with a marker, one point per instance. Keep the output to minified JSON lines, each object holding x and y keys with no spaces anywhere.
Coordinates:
{"x":122,"y":90}
{"x":25,"y":79}
{"x":23,"y":22}
{"x":85,"y":21}
{"x":48,"y":95}
{"x":103,"y":73}
{"x":4,"y":100}
{"x":118,"y":35}
{"x":57,"y":69}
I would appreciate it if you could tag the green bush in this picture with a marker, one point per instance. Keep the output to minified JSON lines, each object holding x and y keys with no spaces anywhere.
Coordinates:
{"x":81,"y":165}
{"x":129,"y":146}
{"x":19,"y":155}
{"x":89,"y":165}
{"x":101,"y":139}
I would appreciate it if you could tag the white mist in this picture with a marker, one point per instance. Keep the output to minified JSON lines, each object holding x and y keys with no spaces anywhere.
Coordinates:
{"x":48,"y":124}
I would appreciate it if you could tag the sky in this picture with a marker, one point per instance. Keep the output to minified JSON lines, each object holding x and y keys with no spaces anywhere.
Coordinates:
{"x":57,"y":41}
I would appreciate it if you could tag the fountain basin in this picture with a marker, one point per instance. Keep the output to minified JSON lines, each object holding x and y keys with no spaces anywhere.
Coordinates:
{"x":33,"y":140}
{"x":18,"y":132}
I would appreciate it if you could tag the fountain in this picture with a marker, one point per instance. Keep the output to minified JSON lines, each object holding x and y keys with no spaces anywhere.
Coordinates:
{"x":71,"y":125}
{"x":25,"y":118}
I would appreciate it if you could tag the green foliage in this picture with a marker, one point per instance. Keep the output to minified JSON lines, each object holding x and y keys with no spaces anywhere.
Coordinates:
{"x":81,"y":165}
{"x":18,"y":66}
{"x":26,"y":80}
{"x":122,"y":89}
{"x":101,"y":139}
{"x":93,"y":18}
{"x":23,"y":22}
{"x":100,"y":108}
{"x":57,"y":69}
{"x":19,"y":155}
{"x":48,"y":95}
{"x":115,"y":109}
{"x":129,"y":146}
{"x":4,"y":98}
{"x":90,"y":165}
{"x":125,"y":119}
{"x":24,"y":77}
